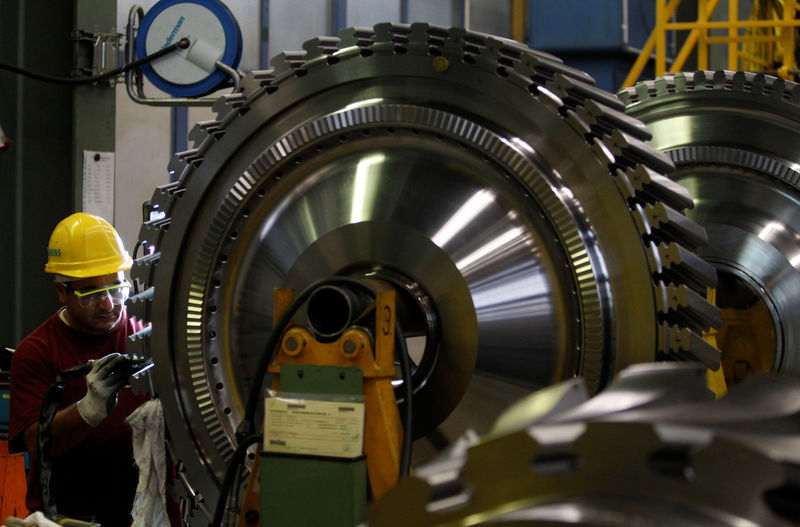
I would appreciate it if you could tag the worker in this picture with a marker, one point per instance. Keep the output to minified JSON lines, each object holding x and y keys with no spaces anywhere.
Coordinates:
{"x":93,"y":474}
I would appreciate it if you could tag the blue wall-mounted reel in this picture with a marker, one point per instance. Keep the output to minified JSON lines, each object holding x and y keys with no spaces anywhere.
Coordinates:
{"x":213,"y":33}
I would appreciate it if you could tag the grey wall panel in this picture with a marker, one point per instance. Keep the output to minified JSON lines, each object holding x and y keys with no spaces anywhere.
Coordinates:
{"x":370,"y":12}
{"x":291,"y":23}
{"x":490,"y":16}
{"x":442,"y":12}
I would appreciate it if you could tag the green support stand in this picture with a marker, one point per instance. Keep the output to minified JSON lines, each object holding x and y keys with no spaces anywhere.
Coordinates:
{"x":303,"y":490}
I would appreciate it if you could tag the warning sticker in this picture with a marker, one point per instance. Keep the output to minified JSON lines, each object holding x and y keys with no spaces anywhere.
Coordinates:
{"x":319,"y":428}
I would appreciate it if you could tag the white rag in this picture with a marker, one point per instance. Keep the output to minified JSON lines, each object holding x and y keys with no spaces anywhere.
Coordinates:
{"x":36,"y":519}
{"x":149,"y":504}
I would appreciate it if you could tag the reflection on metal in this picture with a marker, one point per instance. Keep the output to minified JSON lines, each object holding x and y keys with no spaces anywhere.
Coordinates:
{"x":654,"y":448}
{"x":463,"y":216}
{"x":529,"y":230}
{"x":734,"y":139}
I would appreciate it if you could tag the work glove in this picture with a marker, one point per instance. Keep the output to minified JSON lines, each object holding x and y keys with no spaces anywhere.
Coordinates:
{"x":103,"y":382}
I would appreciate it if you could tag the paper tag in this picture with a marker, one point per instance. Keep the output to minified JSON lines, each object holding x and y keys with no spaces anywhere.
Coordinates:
{"x":320,"y":428}
{"x":98,"y":184}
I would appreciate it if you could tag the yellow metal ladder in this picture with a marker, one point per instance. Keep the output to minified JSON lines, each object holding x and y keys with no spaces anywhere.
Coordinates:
{"x":699,"y":36}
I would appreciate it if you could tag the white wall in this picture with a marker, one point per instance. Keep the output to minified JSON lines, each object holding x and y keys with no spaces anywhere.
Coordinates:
{"x":142,"y":148}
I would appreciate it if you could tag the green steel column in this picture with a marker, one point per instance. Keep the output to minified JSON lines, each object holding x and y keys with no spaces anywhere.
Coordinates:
{"x":304,"y":490}
{"x":94,"y":105}
{"x":36,"y":172}
{"x":49,"y":125}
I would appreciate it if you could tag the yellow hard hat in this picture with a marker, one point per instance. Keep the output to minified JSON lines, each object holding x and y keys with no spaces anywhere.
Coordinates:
{"x":84,"y":245}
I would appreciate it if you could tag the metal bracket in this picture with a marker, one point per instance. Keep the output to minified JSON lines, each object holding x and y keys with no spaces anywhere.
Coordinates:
{"x":95,"y":54}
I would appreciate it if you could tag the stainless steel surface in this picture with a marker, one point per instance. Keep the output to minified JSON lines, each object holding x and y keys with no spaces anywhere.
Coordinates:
{"x":653,"y":449}
{"x":735,"y":141}
{"x":530,"y":231}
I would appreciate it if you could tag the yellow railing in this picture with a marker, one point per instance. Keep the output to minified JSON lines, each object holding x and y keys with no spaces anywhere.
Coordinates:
{"x":699,"y":36}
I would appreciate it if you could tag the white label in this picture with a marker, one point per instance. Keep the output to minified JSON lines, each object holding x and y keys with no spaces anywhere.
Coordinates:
{"x":98,"y":184}
{"x":319,"y":428}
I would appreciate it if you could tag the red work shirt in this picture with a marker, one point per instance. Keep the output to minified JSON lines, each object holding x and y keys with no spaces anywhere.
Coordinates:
{"x":97,"y":478}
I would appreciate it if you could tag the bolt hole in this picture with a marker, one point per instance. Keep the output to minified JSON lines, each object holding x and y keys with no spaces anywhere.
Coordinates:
{"x":212,"y":334}
{"x":214,"y":361}
{"x":674,"y":463}
{"x":551,"y":464}
{"x":785,"y":501}
{"x":218,"y":386}
{"x":227,"y":411}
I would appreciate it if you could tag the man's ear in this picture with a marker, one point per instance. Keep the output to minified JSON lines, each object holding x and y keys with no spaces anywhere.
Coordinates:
{"x":61,"y":290}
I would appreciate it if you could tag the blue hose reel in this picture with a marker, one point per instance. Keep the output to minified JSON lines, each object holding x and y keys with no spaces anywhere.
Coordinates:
{"x":214,"y":37}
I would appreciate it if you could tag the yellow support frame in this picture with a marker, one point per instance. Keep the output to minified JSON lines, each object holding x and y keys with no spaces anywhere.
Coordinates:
{"x":699,"y":36}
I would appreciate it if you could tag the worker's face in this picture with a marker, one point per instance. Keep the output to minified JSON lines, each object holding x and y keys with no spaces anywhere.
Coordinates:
{"x":98,"y":313}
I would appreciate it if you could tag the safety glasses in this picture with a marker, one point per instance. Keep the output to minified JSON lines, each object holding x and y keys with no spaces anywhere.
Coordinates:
{"x":90,"y":298}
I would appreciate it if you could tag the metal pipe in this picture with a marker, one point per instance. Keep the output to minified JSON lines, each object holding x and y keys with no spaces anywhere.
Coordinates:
{"x":518,"y":15}
{"x":333,"y":309}
{"x":733,"y":48}
{"x":649,"y":46}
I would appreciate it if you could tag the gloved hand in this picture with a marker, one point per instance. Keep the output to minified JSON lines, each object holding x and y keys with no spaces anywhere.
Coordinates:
{"x":103,"y":383}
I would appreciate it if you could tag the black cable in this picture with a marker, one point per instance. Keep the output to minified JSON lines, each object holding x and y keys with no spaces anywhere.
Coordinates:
{"x":245,"y":432}
{"x":405,"y":372}
{"x":230,"y":476}
{"x":246,"y":427}
{"x":182,"y":43}
{"x":50,"y":405}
